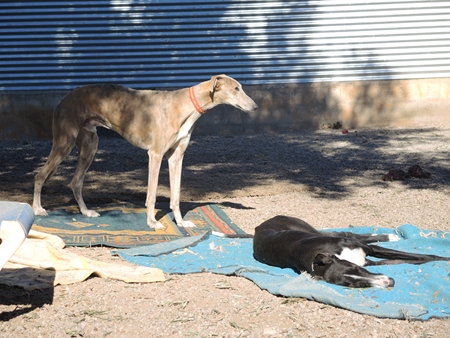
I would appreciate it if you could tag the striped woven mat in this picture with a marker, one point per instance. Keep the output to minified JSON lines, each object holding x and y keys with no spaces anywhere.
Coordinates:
{"x":125,"y":227}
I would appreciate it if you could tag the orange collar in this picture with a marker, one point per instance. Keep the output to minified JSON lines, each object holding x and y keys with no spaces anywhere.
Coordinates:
{"x":194,"y":101}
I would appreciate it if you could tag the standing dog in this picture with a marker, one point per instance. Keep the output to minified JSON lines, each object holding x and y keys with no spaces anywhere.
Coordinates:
{"x":158,"y":121}
{"x":336,"y":257}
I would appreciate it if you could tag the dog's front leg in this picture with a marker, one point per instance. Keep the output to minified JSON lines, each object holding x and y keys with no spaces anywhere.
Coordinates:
{"x":154,"y":165}
{"x":175,"y":166}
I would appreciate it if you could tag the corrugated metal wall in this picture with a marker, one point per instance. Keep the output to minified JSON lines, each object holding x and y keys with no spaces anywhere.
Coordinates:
{"x":56,"y":45}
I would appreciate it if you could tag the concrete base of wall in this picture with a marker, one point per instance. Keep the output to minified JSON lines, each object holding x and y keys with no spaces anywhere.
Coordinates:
{"x":288,"y":107}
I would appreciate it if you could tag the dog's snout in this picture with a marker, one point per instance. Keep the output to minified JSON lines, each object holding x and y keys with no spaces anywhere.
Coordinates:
{"x":248,"y":108}
{"x":384,"y":281}
{"x":252,"y":106}
{"x":391,"y":282}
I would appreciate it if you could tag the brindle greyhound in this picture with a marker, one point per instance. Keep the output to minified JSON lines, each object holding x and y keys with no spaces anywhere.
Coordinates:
{"x":335,"y":257}
{"x":158,"y":121}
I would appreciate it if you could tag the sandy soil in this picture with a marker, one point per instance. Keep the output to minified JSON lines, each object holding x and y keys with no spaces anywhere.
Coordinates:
{"x":327,"y":178}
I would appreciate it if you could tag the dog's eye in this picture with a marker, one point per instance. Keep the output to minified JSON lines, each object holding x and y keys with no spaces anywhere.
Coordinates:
{"x":237,"y":89}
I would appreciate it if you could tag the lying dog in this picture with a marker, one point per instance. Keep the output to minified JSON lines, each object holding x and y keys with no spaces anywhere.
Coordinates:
{"x":335,"y":257}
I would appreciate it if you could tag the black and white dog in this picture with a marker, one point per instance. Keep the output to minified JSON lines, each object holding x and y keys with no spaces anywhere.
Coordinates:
{"x":335,"y":257}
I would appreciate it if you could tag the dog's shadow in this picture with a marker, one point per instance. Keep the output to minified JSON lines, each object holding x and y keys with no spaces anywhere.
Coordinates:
{"x":186,"y":207}
{"x":19,"y":301}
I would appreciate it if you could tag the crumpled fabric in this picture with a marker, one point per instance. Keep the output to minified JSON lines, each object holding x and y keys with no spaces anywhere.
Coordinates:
{"x":42,"y":262}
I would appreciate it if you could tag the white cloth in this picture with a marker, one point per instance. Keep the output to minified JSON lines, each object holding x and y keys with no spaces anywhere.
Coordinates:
{"x":41,"y":262}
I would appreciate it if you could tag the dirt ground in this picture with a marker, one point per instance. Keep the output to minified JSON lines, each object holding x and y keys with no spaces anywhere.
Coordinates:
{"x":328,"y":178}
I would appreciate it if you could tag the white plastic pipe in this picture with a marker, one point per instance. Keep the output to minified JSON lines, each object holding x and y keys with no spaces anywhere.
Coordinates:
{"x":16,"y":220}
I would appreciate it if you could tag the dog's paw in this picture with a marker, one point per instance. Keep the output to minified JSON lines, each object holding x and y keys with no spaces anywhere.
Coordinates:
{"x":40,"y":211}
{"x":155,"y":225}
{"x":186,"y":224}
{"x":90,"y":213}
{"x":393,"y":238}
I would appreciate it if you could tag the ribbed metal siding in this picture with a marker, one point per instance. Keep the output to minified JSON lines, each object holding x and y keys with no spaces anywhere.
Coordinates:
{"x":155,"y":44}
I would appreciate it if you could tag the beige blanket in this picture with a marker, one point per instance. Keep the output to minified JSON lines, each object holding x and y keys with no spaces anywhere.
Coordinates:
{"x":41,"y":262}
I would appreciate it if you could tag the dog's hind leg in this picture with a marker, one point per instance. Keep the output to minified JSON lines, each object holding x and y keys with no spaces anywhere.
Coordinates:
{"x":391,"y":256}
{"x":87,"y":143}
{"x":61,"y":148}
{"x":366,"y":238}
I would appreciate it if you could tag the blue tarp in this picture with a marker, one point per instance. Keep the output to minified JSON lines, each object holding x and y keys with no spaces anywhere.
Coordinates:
{"x":420,"y":291}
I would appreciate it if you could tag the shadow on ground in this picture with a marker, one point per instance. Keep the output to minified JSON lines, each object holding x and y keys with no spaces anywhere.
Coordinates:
{"x":18,"y":301}
{"x":325,"y":163}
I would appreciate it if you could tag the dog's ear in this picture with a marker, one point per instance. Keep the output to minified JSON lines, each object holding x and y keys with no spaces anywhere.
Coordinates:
{"x":215,"y":83}
{"x":321,"y":264}
{"x":322,"y":260}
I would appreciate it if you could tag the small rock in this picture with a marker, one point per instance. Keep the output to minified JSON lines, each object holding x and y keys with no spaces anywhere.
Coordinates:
{"x":394,"y":175}
{"x":269,"y":332}
{"x":416,"y":171}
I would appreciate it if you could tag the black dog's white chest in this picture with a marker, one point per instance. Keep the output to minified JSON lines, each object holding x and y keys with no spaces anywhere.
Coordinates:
{"x":356,"y":256}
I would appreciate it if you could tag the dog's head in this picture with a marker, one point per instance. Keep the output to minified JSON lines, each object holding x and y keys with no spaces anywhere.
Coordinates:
{"x":342,"y":272}
{"x":226,"y":90}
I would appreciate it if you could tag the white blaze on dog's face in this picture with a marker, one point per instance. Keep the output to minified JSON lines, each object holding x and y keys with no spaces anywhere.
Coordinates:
{"x":378,"y":281}
{"x":234,"y":95}
{"x":342,"y":272}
